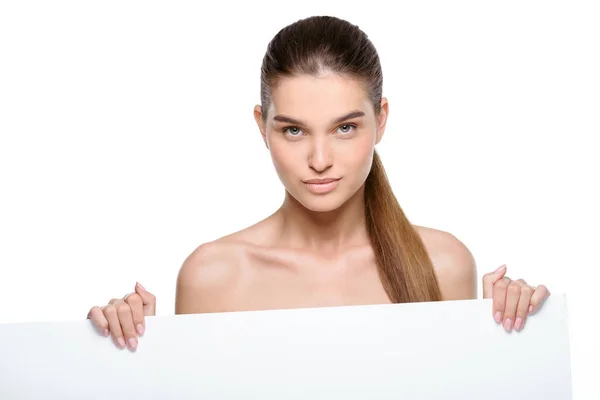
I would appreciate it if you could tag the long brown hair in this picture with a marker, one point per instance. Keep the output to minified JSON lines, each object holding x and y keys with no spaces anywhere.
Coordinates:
{"x":325,"y":43}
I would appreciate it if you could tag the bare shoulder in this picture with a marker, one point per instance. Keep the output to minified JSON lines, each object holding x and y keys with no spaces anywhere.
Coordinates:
{"x":208,"y":277}
{"x":445,"y":248}
{"x":454,"y":264}
{"x":211,"y":277}
{"x":210,"y":263}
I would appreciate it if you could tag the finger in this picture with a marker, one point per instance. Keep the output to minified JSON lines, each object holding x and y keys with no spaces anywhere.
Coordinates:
{"x":513,"y":294}
{"x":499,"y":299}
{"x":540,"y":295}
{"x":490,"y":279}
{"x":523,"y":306}
{"x":98,"y":320}
{"x":110,"y":313}
{"x":137,"y":311}
{"x":148,"y":300}
{"x":128,"y":328}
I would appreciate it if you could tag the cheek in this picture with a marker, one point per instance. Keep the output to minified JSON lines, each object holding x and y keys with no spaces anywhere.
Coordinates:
{"x":359,"y":160}
{"x":286,"y":163}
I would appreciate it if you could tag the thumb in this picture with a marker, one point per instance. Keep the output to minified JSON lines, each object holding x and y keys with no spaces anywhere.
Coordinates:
{"x":490,"y":279}
{"x":148,"y":300}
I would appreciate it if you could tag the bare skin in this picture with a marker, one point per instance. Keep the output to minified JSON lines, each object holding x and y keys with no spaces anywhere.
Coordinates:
{"x":253,"y":270}
{"x":314,"y":250}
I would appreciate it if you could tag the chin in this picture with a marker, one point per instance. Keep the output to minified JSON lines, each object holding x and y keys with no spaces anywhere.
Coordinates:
{"x":321,"y":203}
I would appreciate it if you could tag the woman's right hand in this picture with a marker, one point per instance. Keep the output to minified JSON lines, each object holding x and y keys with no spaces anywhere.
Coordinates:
{"x":124,"y":319}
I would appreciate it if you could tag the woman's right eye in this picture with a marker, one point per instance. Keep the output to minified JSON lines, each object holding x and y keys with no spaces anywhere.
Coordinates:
{"x":293,"y":131}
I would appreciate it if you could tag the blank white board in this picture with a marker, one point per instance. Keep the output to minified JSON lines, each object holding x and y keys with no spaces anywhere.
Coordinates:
{"x":422,"y":351}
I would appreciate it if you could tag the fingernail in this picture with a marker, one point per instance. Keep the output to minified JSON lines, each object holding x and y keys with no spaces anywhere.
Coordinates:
{"x":508,"y":324}
{"x":105,"y":332}
{"x":518,"y":323}
{"x":132,"y":343}
{"x":121,"y":342}
{"x":141,"y":287}
{"x":501,"y":268}
{"x":140,"y":329}
{"x":530,"y":309}
{"x":498,"y":317}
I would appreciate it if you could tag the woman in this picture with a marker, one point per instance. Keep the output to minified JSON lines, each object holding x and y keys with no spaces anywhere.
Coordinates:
{"x":340,"y":236}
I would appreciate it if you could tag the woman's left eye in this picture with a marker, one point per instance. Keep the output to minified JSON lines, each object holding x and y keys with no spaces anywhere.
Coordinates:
{"x":346,"y":128}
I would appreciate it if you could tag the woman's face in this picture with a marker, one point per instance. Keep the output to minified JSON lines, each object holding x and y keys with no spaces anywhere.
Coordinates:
{"x":321,"y":133}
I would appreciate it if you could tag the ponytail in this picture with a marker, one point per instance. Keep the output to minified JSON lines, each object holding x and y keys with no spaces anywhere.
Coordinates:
{"x":404,"y":266}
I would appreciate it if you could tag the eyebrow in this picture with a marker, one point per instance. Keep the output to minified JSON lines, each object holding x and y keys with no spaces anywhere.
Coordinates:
{"x":290,"y":120}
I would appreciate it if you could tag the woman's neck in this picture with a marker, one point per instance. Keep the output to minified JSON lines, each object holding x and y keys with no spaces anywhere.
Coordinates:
{"x":327,"y":233}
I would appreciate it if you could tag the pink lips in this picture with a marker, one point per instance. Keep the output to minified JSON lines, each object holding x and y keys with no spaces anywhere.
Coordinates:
{"x":322,"y":186}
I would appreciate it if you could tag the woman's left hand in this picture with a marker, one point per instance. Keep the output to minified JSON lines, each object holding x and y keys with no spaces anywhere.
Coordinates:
{"x":513,"y":301}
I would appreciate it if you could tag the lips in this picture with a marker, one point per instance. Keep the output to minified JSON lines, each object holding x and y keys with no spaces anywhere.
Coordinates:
{"x":322,"y":186}
{"x":321,"y":181}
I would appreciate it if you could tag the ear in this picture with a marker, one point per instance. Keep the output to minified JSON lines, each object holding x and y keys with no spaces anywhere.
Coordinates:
{"x":258,"y":117}
{"x":382,"y":119}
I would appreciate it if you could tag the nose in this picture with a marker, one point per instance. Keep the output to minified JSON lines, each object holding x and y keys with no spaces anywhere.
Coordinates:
{"x":321,"y":155}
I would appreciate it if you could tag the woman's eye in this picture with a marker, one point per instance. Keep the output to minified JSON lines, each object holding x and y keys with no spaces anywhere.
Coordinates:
{"x":346,"y":128}
{"x":293,"y":131}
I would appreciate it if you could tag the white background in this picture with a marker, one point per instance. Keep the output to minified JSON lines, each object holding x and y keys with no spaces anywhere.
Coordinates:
{"x":127,"y":139}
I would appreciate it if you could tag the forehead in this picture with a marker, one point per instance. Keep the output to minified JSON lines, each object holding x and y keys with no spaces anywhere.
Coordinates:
{"x":319,"y":98}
